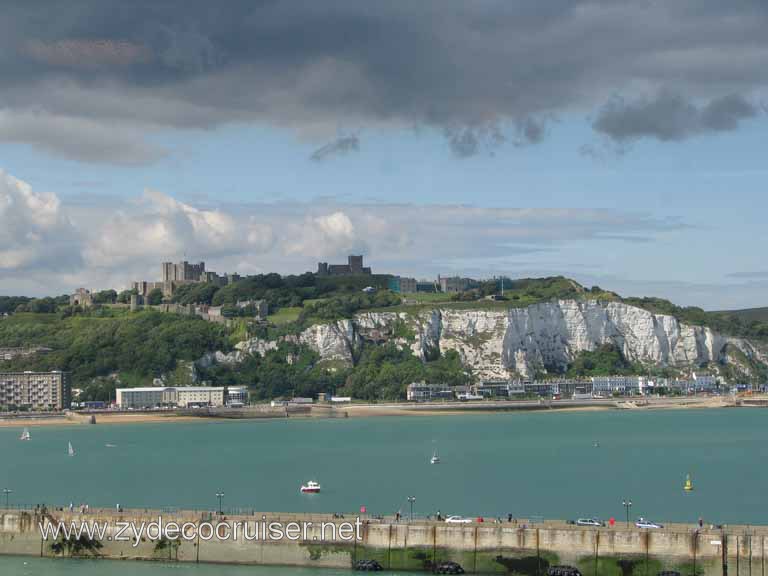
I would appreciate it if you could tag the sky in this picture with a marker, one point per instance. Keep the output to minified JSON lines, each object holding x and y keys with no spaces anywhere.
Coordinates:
{"x":619,"y":143}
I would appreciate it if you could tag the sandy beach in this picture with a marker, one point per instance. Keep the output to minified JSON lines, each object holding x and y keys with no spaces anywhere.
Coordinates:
{"x":82,"y":419}
{"x":403,"y":409}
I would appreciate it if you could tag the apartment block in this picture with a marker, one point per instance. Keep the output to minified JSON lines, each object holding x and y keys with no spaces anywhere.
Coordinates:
{"x":36,"y":390}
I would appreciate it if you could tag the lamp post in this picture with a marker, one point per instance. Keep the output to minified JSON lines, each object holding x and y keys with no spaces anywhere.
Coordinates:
{"x":411,"y":500}
{"x":7,"y":492}
{"x":220,"y":495}
{"x":627,"y":506}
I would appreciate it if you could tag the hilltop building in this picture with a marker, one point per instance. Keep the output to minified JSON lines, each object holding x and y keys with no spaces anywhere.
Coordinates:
{"x":81,"y":297}
{"x":354,"y":265}
{"x":454,"y":283}
{"x":178,"y":274}
{"x":403,"y":285}
{"x":36,"y":390}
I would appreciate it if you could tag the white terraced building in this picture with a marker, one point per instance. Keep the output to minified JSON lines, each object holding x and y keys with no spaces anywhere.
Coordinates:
{"x":607,"y":385}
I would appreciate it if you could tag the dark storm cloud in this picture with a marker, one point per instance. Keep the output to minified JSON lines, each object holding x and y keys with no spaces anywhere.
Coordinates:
{"x":671,"y":117}
{"x":338,"y":147}
{"x":138,"y":67}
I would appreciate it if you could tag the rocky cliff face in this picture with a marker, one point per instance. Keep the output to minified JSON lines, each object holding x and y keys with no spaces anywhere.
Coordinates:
{"x":499,"y":343}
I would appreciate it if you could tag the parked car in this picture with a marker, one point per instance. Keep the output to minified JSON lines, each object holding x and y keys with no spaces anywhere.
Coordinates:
{"x":643,"y":523}
{"x":458,"y":520}
{"x":589,"y":522}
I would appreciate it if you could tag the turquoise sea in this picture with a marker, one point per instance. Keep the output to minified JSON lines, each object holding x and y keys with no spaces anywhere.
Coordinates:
{"x":18,"y":566}
{"x":553,"y":465}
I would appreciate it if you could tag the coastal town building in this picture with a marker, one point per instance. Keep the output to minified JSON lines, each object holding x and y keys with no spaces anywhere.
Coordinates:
{"x":190,"y":396}
{"x":422,"y":392}
{"x":354,"y":265}
{"x":36,"y":390}
{"x":565,"y":387}
{"x":621,"y":385}
{"x":9,"y":353}
{"x":237,"y":395}
{"x":180,"y":396}
{"x":698,"y":382}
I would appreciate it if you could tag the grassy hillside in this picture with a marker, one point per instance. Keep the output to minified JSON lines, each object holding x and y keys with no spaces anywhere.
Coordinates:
{"x":747,"y":314}
{"x":138,"y":346}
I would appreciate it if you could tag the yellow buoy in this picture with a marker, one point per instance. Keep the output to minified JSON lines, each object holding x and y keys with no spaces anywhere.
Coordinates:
{"x":688,"y":484}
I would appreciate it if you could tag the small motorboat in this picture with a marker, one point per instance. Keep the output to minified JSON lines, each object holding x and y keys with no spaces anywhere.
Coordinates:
{"x":688,"y":486}
{"x":310,"y":487}
{"x":25,"y":435}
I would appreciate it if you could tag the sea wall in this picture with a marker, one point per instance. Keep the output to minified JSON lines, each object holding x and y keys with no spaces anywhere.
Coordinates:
{"x":484,"y":548}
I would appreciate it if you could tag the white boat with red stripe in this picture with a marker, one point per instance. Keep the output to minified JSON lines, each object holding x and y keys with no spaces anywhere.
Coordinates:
{"x":310,"y":487}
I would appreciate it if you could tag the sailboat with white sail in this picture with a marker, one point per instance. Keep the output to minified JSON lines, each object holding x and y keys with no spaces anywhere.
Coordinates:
{"x":70,"y":450}
{"x":25,"y":435}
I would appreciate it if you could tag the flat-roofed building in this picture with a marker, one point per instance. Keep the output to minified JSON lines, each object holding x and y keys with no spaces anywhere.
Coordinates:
{"x":450,"y":284}
{"x":237,"y":395}
{"x":422,"y":392}
{"x":181,"y":396}
{"x":36,"y":390}
{"x":145,"y":397}
{"x":402,"y":285}
{"x":200,"y":396}
{"x":9,"y":353}
{"x":617,"y":384}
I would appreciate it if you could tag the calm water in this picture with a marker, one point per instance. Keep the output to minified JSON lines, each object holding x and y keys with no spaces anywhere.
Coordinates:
{"x":17,"y":566}
{"x":519,"y":463}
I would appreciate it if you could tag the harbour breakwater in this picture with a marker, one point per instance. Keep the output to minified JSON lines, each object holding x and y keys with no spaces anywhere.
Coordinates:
{"x":518,"y":547}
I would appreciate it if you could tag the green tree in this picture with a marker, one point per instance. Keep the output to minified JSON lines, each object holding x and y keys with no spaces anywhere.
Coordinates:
{"x":105,"y":297}
{"x":605,"y":361}
{"x":155,"y":297}
{"x":125,"y":296}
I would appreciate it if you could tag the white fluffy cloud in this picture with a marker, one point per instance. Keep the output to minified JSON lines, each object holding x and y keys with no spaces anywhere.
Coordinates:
{"x":323,"y":236}
{"x":157,"y":227}
{"x":48,"y":246}
{"x":33,"y":229}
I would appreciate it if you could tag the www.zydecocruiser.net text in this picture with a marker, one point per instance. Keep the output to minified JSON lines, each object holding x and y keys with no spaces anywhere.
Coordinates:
{"x":158,"y":530}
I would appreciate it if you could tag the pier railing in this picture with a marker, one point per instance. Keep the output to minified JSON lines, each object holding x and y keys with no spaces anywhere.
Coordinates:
{"x":248,"y":513}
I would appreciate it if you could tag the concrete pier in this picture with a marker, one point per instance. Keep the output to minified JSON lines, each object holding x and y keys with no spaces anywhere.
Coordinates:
{"x":484,"y":548}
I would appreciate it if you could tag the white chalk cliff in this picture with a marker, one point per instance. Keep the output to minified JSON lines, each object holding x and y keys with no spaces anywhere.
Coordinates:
{"x":499,"y":343}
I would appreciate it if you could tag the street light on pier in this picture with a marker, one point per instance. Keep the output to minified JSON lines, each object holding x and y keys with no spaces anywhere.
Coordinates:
{"x":220,"y":495}
{"x":7,"y":492}
{"x":411,"y":500}
{"x":627,"y":506}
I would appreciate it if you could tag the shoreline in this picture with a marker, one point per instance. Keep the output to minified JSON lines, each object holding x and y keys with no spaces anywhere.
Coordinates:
{"x":395,"y":409}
